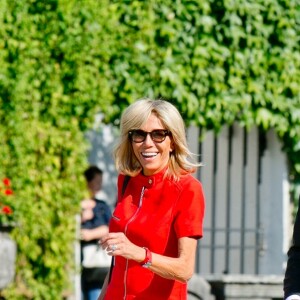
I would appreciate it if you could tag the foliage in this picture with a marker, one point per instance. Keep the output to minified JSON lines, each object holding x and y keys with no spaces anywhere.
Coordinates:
{"x":219,"y":61}
{"x":43,"y":115}
{"x":63,"y":61}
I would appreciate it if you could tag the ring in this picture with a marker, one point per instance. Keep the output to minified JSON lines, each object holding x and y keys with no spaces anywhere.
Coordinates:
{"x":113,"y":248}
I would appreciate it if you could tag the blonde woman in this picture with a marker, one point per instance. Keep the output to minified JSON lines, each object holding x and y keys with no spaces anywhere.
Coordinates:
{"x":159,"y":215}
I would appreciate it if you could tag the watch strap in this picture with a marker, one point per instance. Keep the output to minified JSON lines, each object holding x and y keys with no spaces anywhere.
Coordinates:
{"x":147,"y":262}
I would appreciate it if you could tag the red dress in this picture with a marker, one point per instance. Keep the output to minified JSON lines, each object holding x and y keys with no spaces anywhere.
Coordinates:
{"x":154,"y":212}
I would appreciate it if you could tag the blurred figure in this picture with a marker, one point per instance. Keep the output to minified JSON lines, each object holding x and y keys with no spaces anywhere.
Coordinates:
{"x":291,"y":284}
{"x":95,"y":215}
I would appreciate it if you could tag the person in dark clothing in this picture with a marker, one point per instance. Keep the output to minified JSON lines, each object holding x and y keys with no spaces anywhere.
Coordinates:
{"x":291,"y":283}
{"x":95,"y":216}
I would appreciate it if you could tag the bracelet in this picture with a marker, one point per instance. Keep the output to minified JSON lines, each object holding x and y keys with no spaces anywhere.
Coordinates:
{"x":147,"y":262}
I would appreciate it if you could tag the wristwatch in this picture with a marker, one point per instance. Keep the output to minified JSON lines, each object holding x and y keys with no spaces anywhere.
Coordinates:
{"x":147,"y":262}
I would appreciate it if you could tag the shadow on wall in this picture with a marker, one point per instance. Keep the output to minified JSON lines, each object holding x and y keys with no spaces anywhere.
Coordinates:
{"x":102,"y":142}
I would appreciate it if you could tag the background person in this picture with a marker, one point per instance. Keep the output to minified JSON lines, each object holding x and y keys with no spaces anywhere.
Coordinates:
{"x":95,"y":216}
{"x":291,"y":282}
{"x":158,"y":218}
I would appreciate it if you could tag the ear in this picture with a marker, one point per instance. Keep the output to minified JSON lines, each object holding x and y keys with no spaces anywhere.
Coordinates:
{"x":172,"y":146}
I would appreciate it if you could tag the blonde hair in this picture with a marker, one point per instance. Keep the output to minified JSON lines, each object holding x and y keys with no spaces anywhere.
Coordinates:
{"x":134,"y":117}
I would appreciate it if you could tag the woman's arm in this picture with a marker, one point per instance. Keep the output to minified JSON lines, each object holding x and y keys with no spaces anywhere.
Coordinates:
{"x":180,"y":268}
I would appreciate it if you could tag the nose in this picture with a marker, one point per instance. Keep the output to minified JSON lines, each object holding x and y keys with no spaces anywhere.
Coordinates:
{"x":148,"y":140}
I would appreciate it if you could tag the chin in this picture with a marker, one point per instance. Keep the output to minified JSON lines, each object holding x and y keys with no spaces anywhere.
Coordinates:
{"x":150,"y":172}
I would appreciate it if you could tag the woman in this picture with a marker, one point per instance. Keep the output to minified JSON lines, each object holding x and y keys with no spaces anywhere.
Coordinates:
{"x":158,"y":218}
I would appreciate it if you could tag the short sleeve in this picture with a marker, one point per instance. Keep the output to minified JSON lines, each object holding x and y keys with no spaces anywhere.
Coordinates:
{"x":190,"y":209}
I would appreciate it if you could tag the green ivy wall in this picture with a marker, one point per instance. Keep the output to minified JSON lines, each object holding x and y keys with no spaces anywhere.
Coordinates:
{"x":63,"y":61}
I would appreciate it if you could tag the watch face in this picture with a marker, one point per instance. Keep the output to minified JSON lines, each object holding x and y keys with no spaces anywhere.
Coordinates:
{"x":147,"y":264}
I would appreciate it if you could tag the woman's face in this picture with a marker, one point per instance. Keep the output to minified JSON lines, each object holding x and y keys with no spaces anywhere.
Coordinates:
{"x":152,"y":156}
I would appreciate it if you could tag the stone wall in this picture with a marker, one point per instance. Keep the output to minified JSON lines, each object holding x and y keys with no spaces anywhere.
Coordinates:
{"x":8,"y":250}
{"x":245,"y":287}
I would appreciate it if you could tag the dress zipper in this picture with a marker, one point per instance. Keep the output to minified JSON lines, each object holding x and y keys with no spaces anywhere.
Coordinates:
{"x":125,"y":231}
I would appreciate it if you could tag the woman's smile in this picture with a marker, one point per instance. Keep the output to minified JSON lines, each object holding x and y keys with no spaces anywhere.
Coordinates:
{"x":149,"y":154}
{"x":153,"y":156}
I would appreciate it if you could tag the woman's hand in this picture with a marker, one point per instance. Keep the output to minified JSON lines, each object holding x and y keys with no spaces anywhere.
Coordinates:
{"x":179,"y":268}
{"x":116,"y":243}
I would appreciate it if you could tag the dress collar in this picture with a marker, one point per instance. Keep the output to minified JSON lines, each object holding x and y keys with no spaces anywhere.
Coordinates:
{"x":151,"y":180}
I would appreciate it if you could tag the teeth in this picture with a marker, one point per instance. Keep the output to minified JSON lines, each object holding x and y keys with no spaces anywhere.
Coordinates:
{"x":149,"y":154}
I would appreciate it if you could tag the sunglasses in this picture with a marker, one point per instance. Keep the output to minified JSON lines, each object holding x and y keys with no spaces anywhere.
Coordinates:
{"x":157,"y":136}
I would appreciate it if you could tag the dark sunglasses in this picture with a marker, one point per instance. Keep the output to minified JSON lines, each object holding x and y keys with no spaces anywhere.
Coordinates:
{"x":157,"y":136}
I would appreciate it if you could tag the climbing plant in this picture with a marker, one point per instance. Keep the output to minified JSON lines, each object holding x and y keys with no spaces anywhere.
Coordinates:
{"x":64,"y":61}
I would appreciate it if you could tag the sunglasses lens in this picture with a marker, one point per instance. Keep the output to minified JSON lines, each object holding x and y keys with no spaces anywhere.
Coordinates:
{"x":157,"y":136}
{"x":138,"y":136}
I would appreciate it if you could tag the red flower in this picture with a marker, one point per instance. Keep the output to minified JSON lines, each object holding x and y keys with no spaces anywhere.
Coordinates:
{"x":8,"y":192}
{"x":7,"y":210}
{"x":6,"y":181}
